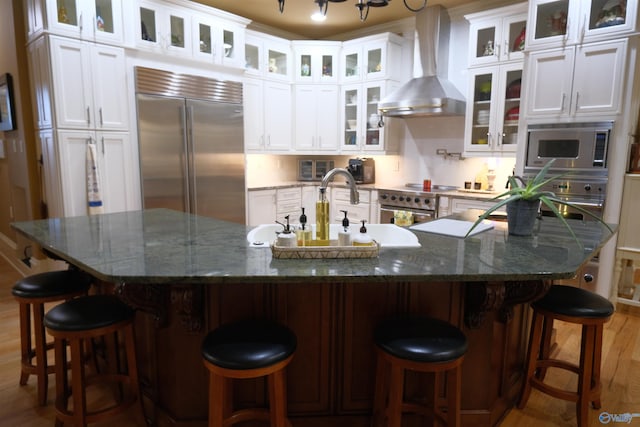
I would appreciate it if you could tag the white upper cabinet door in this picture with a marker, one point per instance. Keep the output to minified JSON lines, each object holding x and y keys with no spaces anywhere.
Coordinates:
{"x":372,"y":57}
{"x":314,"y":130}
{"x":164,"y":29}
{"x":253,"y":101}
{"x":268,"y":56}
{"x":41,"y":82}
{"x":277,"y":116}
{"x":577,"y":86}
{"x":316,"y":61}
{"x":89,"y":85}
{"x":117,"y":186}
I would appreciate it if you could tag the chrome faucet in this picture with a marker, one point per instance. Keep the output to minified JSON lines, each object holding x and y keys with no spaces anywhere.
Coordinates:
{"x":355,"y":196}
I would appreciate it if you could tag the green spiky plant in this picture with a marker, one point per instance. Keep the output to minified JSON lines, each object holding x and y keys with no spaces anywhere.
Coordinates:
{"x":532,"y":191}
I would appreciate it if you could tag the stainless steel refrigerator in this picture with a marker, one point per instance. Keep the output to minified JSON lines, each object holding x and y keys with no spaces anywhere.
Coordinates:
{"x":191,"y":142}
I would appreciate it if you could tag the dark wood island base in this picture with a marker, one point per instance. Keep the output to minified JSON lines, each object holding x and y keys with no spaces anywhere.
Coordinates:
{"x":331,"y":379}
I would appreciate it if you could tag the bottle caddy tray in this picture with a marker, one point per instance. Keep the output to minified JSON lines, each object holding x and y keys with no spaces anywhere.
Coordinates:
{"x":325,"y":252}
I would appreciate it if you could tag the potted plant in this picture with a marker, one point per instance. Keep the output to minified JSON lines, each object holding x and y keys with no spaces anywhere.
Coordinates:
{"x":523,"y":201}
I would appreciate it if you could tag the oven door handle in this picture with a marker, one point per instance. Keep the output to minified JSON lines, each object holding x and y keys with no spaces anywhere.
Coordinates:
{"x":597,"y":205}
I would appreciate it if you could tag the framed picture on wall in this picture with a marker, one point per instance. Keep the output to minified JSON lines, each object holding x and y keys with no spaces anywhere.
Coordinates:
{"x":7,"y":113}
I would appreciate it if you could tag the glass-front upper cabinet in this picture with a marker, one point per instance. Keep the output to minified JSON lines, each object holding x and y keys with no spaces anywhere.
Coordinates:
{"x":99,"y":20}
{"x":218,"y":42}
{"x":266,"y":55}
{"x":372,"y":57}
{"x":164,"y":29}
{"x":316,"y":61}
{"x":560,"y":22}
{"x":497,"y":35}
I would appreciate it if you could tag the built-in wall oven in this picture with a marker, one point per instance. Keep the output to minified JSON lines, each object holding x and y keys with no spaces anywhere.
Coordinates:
{"x":421,"y":204}
{"x":580,"y":151}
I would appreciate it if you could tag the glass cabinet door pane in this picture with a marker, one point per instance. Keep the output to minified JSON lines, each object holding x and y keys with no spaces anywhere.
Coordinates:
{"x":351,"y":65}
{"x":517,"y":34}
{"x":148,"y":24}
{"x":252,"y":56}
{"x":511,"y":107}
{"x":104,"y":16}
{"x":204,"y":38}
{"x":177,"y":31}
{"x":327,"y":66}
{"x":67,"y":12}
{"x":374,"y":61}
{"x":607,"y":13}
{"x":485,"y":45}
{"x":552,"y":19}
{"x":305,"y":65}
{"x":373,"y":119}
{"x":277,"y":62}
{"x":228,"y":44}
{"x":481,"y":109}
{"x":351,"y":117}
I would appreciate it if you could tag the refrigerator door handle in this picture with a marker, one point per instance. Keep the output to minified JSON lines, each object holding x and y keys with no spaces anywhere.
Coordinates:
{"x":190,"y":159}
{"x":185,"y":157}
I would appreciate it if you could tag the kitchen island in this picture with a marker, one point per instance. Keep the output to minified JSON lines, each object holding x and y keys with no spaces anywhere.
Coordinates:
{"x":187,"y":274}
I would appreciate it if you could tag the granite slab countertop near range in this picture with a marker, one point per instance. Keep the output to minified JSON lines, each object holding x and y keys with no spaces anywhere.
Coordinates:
{"x":164,"y":246}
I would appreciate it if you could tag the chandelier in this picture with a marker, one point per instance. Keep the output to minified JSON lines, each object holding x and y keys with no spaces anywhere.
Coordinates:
{"x":362,"y":6}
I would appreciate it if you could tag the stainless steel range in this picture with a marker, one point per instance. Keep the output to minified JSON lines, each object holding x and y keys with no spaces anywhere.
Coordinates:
{"x":422,"y":204}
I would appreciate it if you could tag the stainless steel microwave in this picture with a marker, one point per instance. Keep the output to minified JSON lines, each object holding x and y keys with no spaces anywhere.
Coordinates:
{"x":578,"y":147}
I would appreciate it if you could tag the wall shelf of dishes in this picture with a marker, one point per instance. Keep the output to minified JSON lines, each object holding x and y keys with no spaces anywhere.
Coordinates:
{"x":565,"y":22}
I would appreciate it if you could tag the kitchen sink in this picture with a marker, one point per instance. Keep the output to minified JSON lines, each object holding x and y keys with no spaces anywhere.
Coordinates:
{"x":388,"y":235}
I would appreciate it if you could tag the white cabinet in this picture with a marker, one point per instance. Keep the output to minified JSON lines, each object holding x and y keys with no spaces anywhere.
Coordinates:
{"x":51,"y":179}
{"x":267,"y":56}
{"x":556,"y":23}
{"x":578,"y":86}
{"x":493,"y":108}
{"x":497,"y":35}
{"x":372,"y":57}
{"x":458,"y":204}
{"x":341,"y":201}
{"x":362,"y":131}
{"x":288,"y":202}
{"x":89,"y":83}
{"x":40,"y":75}
{"x":114,"y":165}
{"x":95,"y":20}
{"x":267,"y":115}
{"x":316,"y":129}
{"x":316,"y":61}
{"x":310,"y":195}
{"x":261,"y":207}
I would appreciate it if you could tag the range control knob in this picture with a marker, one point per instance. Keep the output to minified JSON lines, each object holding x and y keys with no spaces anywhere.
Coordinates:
{"x":427,"y":201}
{"x":587,"y":187}
{"x":393,"y":197}
{"x":588,"y":278}
{"x":384,"y":197}
{"x":401,"y":198}
{"x":416,"y":200}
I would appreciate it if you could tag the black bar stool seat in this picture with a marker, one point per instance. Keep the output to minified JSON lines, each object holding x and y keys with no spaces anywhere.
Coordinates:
{"x":32,"y":293}
{"x":248,"y":349}
{"x":573,"y":305}
{"x":76,"y":322}
{"x":422,"y":345}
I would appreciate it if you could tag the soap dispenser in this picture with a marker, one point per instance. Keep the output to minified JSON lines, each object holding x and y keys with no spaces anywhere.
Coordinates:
{"x":362,"y":238}
{"x":344,"y":236}
{"x":286,"y":237}
{"x":322,"y":219}
{"x":303,"y":233}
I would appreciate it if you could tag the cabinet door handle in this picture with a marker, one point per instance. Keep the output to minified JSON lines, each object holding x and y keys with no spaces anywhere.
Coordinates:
{"x":564,"y":96}
{"x":269,"y":140}
{"x":577,"y":99}
{"x":102,"y":141}
{"x":88,"y":116}
{"x":101,"y":120}
{"x":80,"y":26}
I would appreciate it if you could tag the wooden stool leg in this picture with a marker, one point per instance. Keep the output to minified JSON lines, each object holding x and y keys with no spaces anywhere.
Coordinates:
{"x":216,"y":400}
{"x":25,"y":341}
{"x":41,"y":353}
{"x":278,"y":399}
{"x":597,"y":363}
{"x":396,"y":389}
{"x":380,"y":392}
{"x":454,"y":387}
{"x":132,"y":369}
{"x":545,"y":347}
{"x":62,"y":384}
{"x":78,"y":382}
{"x":585,"y":375}
{"x":532,"y":354}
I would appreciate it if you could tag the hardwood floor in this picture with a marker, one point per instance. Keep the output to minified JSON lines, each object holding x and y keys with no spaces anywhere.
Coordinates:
{"x":620,"y":374}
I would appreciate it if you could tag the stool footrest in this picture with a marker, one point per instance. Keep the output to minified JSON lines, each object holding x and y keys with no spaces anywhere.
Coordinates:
{"x":248,"y":414}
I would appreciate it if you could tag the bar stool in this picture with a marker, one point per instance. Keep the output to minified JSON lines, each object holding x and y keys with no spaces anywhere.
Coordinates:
{"x":248,"y":349}
{"x":32,"y":293}
{"x":422,"y":345}
{"x":573,"y":305}
{"x":74,"y":323}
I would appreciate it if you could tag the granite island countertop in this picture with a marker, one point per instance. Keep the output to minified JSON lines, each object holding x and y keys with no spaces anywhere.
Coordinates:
{"x":164,"y":246}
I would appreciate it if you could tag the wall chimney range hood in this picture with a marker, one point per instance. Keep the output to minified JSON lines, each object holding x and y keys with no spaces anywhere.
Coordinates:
{"x":429,"y":94}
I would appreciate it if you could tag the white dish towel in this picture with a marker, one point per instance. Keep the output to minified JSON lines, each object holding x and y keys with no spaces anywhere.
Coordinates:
{"x":94,"y":200}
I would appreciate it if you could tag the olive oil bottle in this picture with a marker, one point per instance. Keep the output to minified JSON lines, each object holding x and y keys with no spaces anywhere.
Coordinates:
{"x":322,"y":219}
